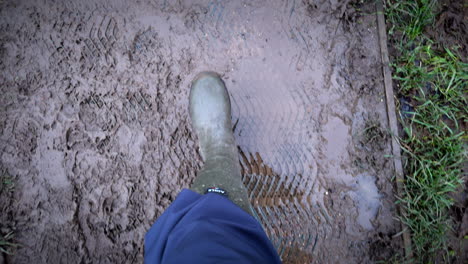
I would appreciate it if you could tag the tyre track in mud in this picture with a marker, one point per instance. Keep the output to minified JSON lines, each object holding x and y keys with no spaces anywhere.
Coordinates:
{"x":289,"y":205}
{"x":289,"y":213}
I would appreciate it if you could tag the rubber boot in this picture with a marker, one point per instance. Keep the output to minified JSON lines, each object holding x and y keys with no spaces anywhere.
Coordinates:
{"x":210,"y":111}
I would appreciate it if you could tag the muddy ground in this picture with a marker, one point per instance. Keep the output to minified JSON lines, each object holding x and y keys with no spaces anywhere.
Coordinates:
{"x":96,"y":140}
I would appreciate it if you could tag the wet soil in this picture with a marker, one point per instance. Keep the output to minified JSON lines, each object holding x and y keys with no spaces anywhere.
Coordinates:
{"x":451,"y":27}
{"x":95,"y":133}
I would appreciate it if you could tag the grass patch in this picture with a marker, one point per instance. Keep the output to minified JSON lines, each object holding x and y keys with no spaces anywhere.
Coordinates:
{"x":7,"y":186}
{"x":433,"y":78}
{"x":6,"y":244}
{"x":409,"y":17}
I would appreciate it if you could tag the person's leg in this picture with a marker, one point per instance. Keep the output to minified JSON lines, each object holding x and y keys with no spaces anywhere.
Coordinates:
{"x":209,"y":228}
{"x":210,"y":111}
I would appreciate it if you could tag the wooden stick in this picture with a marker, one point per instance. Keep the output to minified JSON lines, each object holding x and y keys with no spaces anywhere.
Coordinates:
{"x":393,"y":123}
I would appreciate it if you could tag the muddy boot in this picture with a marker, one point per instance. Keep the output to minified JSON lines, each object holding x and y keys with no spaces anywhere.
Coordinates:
{"x":210,"y":110}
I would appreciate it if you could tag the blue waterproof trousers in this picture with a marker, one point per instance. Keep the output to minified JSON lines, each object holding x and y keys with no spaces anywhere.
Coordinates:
{"x":207,"y":229}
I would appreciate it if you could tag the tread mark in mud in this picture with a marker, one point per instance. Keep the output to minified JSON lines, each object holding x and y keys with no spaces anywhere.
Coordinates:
{"x":281,"y":205}
{"x":134,"y":104}
{"x":102,"y":38}
{"x":279,"y":194}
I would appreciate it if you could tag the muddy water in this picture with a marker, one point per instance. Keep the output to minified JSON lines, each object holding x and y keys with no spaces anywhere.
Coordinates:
{"x":96,"y":135}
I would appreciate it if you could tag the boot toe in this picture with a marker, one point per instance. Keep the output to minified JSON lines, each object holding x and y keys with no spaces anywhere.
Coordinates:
{"x":209,"y":101}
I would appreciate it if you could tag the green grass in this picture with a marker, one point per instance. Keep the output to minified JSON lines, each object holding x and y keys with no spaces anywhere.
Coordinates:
{"x":434,"y":143}
{"x":7,"y":186}
{"x":409,"y":17}
{"x":6,"y":244}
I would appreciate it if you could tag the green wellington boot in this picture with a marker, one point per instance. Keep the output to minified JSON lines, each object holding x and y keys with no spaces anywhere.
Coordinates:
{"x":210,"y":111}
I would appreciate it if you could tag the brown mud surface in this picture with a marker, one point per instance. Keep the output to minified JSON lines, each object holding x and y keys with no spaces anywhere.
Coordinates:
{"x":95,"y":133}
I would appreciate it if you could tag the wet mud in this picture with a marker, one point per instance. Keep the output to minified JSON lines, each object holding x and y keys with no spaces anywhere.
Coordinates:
{"x":95,"y":132}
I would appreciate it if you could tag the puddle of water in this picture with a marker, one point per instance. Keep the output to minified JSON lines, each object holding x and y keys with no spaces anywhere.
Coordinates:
{"x":367,"y":197}
{"x":337,"y":136}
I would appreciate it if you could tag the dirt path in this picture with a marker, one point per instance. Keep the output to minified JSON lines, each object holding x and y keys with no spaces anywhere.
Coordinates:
{"x":94,"y":127}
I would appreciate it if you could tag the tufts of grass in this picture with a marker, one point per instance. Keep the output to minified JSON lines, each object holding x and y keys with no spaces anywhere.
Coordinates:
{"x":7,"y":184}
{"x":7,"y":187}
{"x":409,"y":18}
{"x":6,"y":244}
{"x":434,"y":141}
{"x":433,"y":172}
{"x":429,"y":74}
